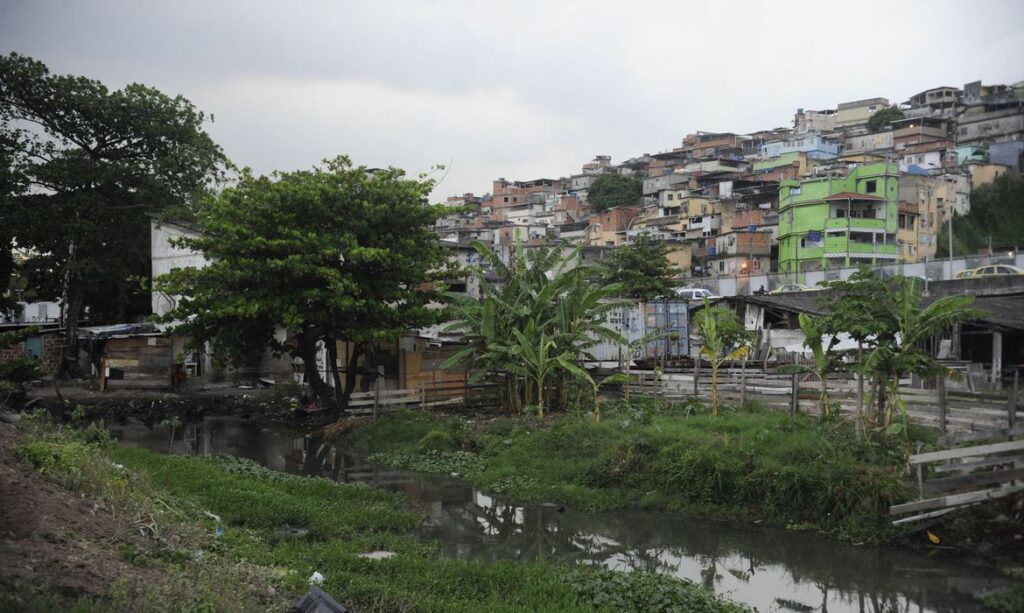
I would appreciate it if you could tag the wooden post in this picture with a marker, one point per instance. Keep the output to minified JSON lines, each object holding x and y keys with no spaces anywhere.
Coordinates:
{"x":376,"y":396}
{"x":859,"y":426}
{"x":1011,"y":409}
{"x":794,"y":402}
{"x":920,"y":474}
{"x":696,"y":373}
{"x":997,"y":360}
{"x":743,"y":382}
{"x":940,"y":390}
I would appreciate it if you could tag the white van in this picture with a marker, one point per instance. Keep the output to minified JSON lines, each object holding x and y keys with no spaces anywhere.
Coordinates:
{"x":694,"y":293}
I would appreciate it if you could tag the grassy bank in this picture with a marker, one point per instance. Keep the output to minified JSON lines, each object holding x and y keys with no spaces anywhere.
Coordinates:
{"x":256,"y":536}
{"x":748,"y":464}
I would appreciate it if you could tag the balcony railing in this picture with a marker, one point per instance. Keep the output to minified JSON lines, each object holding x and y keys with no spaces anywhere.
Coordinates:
{"x":854,"y":223}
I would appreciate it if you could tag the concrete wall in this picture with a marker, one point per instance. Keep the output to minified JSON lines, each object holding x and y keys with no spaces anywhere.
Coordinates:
{"x":166,"y":257}
{"x":939,"y":273}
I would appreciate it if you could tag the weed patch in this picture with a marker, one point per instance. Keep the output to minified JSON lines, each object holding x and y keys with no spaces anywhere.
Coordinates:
{"x":746,"y":463}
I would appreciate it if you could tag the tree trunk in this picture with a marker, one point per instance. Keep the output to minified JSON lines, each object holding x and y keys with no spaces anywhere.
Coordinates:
{"x":540,"y":398}
{"x":714,"y":388}
{"x":351,"y":371}
{"x":859,"y":426}
{"x":307,"y":351}
{"x":72,"y":312}
{"x":332,"y":357}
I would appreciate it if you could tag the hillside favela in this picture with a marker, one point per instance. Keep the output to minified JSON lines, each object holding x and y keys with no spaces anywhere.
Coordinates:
{"x":334,"y":307}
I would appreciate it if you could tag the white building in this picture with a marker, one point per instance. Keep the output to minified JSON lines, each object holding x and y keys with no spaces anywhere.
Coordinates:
{"x":165,"y":257}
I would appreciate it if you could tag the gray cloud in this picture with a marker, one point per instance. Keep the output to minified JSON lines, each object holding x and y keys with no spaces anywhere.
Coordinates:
{"x":520,"y":90}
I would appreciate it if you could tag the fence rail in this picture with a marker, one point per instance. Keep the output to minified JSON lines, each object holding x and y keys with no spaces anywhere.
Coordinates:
{"x":455,"y":395}
{"x":938,"y":407}
{"x":953,"y":481}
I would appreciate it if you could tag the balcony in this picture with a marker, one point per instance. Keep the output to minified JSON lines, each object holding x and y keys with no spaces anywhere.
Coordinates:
{"x":839,"y":247}
{"x":854,"y":223}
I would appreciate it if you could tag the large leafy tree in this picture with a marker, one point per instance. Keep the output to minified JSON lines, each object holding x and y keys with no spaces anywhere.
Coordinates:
{"x":997,"y":213}
{"x":533,"y":329}
{"x":88,"y":167}
{"x":891,"y":323}
{"x":339,"y":252}
{"x":915,"y":325}
{"x":611,"y":190}
{"x":642,"y":269}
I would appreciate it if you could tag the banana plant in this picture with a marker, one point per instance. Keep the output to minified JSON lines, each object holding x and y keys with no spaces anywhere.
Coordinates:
{"x":826,"y":360}
{"x":537,"y":326}
{"x":723,"y":339}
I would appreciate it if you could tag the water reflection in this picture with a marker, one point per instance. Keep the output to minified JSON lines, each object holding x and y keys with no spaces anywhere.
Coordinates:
{"x":770,"y":569}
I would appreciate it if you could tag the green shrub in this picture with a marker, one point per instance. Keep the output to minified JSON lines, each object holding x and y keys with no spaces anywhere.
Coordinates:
{"x":639,"y":591}
{"x":435,"y":440}
{"x":501,"y":426}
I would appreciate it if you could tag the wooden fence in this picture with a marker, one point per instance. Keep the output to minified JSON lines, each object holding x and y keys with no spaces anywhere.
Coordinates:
{"x":948,"y":480}
{"x":954,"y":410}
{"x":452,"y":395}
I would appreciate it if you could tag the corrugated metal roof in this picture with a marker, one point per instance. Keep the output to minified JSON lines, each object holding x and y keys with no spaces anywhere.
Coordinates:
{"x":1005,"y":312}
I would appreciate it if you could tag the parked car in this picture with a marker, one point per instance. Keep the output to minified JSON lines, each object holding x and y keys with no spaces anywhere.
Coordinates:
{"x":694,"y":293}
{"x":792,"y":287}
{"x":990,"y":271}
{"x":996,"y":269}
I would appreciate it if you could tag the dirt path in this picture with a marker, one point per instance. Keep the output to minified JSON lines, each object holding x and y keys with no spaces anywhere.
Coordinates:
{"x":52,"y":539}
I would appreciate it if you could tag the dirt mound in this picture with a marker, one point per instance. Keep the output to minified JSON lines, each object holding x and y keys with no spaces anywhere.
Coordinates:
{"x":54,"y":539}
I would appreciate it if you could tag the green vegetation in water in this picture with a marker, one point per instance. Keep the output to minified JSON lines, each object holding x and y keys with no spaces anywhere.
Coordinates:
{"x":284,"y":528}
{"x":1007,"y":601}
{"x":751,"y":464}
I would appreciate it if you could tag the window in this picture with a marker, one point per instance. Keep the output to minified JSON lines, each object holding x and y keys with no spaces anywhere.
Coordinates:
{"x":840,"y":212}
{"x":721,"y":266}
{"x":506,"y":198}
{"x":803,"y":243}
{"x":670,"y":197}
{"x":871,"y":186}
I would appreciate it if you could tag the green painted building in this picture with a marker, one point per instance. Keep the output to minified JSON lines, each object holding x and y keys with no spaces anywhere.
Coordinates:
{"x":828,"y":222}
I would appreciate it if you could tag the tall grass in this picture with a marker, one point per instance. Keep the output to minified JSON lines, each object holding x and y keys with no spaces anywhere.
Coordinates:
{"x":749,"y":464}
{"x":286,"y":527}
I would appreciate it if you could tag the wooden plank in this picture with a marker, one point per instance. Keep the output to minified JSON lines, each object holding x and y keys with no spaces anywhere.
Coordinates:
{"x":984,"y":435}
{"x":963,"y":452}
{"x":955,"y":500}
{"x":966,"y":467}
{"x":946,"y":484}
{"x":931,"y":514}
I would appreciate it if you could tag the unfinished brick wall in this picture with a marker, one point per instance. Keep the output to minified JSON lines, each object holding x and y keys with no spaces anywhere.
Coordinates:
{"x":50,"y":360}
{"x":51,"y":353}
{"x":12,"y":352}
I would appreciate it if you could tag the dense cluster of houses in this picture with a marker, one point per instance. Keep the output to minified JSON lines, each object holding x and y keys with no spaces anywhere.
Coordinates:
{"x":738,"y":211}
{"x":825,"y":193}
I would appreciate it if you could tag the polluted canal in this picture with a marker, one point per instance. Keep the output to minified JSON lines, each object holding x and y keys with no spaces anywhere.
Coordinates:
{"x":767,"y":568}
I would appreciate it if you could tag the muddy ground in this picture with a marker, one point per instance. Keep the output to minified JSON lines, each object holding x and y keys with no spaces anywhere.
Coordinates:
{"x":52,"y":539}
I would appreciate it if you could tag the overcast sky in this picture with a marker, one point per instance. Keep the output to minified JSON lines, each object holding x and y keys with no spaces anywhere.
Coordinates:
{"x":510,"y":89}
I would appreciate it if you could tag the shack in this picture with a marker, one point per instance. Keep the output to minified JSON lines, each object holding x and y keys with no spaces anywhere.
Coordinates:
{"x":131,"y":356}
{"x":987,"y":350}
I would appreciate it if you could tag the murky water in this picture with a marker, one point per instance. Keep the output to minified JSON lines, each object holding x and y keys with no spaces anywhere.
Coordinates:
{"x":770,"y":569}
